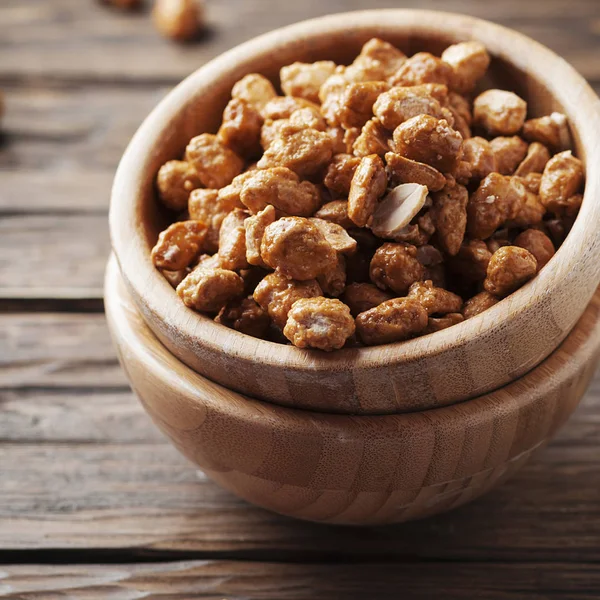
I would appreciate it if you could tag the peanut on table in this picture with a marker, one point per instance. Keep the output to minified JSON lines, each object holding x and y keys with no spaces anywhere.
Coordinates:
{"x":369,"y":204}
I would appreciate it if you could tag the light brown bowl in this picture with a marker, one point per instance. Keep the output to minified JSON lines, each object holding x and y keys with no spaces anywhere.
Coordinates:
{"x":464,"y":361}
{"x":342,"y":468}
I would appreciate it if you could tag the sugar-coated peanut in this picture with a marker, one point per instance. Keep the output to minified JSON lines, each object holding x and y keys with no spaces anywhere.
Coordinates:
{"x":367,"y":186}
{"x":509,"y":268}
{"x":391,"y":321}
{"x":209,"y":289}
{"x":479,"y":303}
{"x":276,"y":294}
{"x":396,"y":267}
{"x":296,"y":248}
{"x":499,"y":112}
{"x":179,"y":245}
{"x":322,"y":323}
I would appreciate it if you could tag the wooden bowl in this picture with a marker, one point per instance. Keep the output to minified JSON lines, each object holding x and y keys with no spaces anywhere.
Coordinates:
{"x":343,"y":468}
{"x":462,"y":362}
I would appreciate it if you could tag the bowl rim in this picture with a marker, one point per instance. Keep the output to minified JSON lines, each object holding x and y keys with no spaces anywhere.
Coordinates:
{"x":149,"y":287}
{"x":129,"y":331}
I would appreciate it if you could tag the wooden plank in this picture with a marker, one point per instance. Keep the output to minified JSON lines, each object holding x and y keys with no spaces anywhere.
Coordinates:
{"x":53,"y":255}
{"x":41,"y":416}
{"x":244,"y":580}
{"x":75,"y":131}
{"x":143,"y":497}
{"x":57,"y":351}
{"x":60,"y":153}
{"x":28,"y":191}
{"x":77,"y":40}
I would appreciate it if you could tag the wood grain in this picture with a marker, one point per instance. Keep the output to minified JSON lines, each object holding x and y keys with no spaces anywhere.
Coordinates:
{"x":462,"y":362}
{"x":68,"y":411}
{"x":54,"y":351}
{"x":70,"y":40}
{"x":38,"y":251}
{"x":154,"y":502}
{"x":548,"y":512}
{"x":65,"y":191}
{"x":261,"y":581}
{"x":77,"y":130}
{"x":343,"y":469}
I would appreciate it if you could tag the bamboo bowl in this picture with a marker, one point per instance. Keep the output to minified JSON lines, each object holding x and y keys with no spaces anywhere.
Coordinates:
{"x":462,"y":362}
{"x":346,"y":469}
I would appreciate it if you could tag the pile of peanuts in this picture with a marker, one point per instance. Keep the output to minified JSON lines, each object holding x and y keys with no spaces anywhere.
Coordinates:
{"x":359,"y":208}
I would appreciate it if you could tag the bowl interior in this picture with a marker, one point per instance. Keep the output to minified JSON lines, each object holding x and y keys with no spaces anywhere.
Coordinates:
{"x":449,"y":365}
{"x":203,"y":110}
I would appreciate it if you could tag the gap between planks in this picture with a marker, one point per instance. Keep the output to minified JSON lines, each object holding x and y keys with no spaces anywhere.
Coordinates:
{"x":134,"y":556}
{"x":276,"y":581}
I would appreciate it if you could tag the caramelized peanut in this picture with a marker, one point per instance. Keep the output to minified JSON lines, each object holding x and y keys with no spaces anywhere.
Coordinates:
{"x":368,"y":185}
{"x":179,"y":245}
{"x":479,"y":153}
{"x":232,"y":241}
{"x":361,"y":297}
{"x":175,"y":180}
{"x":477,"y":304}
{"x":396,"y":267}
{"x":297,"y":249}
{"x":335,"y":235}
{"x":304,"y":80}
{"x":538,"y":243}
{"x":304,"y":152}
{"x":405,"y":170}
{"x":499,"y":112}
{"x":254,"y":89}
{"x":509,"y":268}
{"x":534,"y":162}
{"x":509,"y":152}
{"x":372,"y":139}
{"x":402,"y":103}
{"x":280,"y":187}
{"x":469,"y":61}
{"x":240,"y":129}
{"x":435,"y":300}
{"x":320,"y":323}
{"x":215,"y":163}
{"x":276,"y":294}
{"x":245,"y":316}
{"x":551,"y":130}
{"x":429,"y":140}
{"x":391,"y":321}
{"x":254,"y":231}
{"x":356,"y":103}
{"x":209,"y":289}
{"x":496,"y":200}
{"x":340,"y":172}
{"x":438,"y":323}
{"x":449,"y":216}
{"x":336,"y":212}
{"x":561,"y":179}
{"x":424,"y":67}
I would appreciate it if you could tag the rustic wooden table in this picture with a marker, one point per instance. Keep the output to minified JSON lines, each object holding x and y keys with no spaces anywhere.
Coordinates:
{"x":94,"y":503}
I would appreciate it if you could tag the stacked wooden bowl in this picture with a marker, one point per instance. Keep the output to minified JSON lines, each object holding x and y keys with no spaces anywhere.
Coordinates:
{"x":421,"y":426}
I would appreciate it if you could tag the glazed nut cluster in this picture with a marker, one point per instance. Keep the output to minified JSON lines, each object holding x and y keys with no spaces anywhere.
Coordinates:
{"x":368,"y":204}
